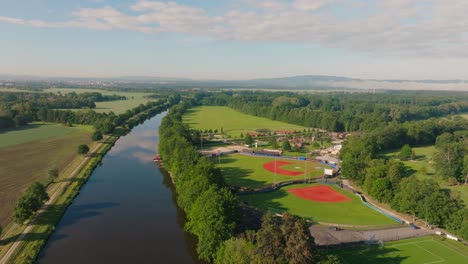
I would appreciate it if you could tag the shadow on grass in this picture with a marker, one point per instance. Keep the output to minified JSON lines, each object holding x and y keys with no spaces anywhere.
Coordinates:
{"x":30,"y":126}
{"x":266,"y":201}
{"x":28,"y":237}
{"x":241,"y":177}
{"x":370,"y":254}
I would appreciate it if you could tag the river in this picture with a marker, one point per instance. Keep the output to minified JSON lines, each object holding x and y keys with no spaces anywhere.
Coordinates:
{"x":126,"y":212}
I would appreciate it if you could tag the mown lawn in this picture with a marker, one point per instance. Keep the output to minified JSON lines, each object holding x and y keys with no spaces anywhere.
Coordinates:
{"x":348,"y":213}
{"x":409,"y":251}
{"x":26,"y":155}
{"x":233,"y":123}
{"x":248,"y":171}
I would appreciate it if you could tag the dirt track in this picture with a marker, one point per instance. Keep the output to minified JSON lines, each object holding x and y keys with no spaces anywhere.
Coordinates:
{"x":324,"y":236}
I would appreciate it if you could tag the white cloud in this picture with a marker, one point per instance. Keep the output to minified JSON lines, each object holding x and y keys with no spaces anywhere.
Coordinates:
{"x":307,"y":5}
{"x":397,"y":27}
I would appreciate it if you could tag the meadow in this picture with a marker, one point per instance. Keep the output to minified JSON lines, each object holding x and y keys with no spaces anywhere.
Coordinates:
{"x":118,"y":107}
{"x":248,"y":171}
{"x":352,"y":212}
{"x":232,"y":122}
{"x":423,"y":250}
{"x":28,"y":153}
{"x":422,"y":169}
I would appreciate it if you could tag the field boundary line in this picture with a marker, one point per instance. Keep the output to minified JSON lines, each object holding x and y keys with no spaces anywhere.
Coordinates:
{"x":437,"y":256}
{"x":409,"y":243}
{"x":451,"y":248}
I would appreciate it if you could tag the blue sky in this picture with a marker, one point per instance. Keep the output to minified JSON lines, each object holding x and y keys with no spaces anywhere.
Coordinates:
{"x":235,"y":39}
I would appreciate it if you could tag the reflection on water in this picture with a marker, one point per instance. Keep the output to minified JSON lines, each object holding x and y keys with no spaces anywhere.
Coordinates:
{"x":126,"y":212}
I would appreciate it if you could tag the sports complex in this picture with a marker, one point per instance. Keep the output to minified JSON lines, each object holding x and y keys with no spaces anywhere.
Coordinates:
{"x":297,"y":185}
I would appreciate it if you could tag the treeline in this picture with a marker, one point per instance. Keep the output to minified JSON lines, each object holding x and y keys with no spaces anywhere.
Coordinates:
{"x":210,"y":206}
{"x":341,"y":111}
{"x":19,"y":108}
{"x":213,"y":210}
{"x":387,"y":180}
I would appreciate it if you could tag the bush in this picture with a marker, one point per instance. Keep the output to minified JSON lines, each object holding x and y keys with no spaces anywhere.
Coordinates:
{"x":83,"y":149}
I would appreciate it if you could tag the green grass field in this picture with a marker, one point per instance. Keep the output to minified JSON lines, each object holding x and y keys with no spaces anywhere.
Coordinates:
{"x":118,"y":107}
{"x":248,"y":171}
{"x":26,"y":155}
{"x":424,"y":250}
{"x":233,"y":123}
{"x":347,"y":213}
{"x":423,"y":156}
{"x":37,"y":131}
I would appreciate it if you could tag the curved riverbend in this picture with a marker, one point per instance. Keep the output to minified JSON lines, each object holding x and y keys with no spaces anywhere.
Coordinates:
{"x":126,"y":212}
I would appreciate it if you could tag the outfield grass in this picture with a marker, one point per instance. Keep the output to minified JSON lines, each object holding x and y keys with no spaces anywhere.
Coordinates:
{"x":248,"y":171}
{"x":233,"y":123}
{"x":347,"y":213}
{"x":26,"y":155}
{"x":422,"y":250}
{"x":118,"y":107}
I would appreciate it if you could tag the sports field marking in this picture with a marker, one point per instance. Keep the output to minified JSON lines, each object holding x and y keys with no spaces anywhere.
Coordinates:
{"x":440,"y":259}
{"x":452,"y":249}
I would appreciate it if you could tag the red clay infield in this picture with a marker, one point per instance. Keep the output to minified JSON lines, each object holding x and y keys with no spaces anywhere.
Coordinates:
{"x":322,"y":193}
{"x":270,"y":166}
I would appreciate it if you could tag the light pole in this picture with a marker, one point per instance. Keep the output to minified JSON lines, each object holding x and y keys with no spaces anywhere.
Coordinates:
{"x":274,"y":179}
{"x":305,"y":168}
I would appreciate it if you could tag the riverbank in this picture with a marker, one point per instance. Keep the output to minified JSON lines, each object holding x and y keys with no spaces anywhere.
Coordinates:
{"x":22,"y":244}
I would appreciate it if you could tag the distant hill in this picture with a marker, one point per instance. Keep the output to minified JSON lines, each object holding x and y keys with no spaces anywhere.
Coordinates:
{"x":303,"y":82}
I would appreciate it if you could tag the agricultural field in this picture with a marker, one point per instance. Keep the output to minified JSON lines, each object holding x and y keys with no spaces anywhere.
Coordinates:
{"x":118,"y":107}
{"x":422,"y":250}
{"x":322,"y":203}
{"x":232,"y":122}
{"x":250,"y":171}
{"x":28,"y":153}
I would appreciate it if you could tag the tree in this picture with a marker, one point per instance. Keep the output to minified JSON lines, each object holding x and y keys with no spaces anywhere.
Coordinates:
{"x":213,"y":220}
{"x":83,"y":149}
{"x":97,"y":135}
{"x":248,"y":140}
{"x":465,"y":168}
{"x":272,"y":142}
{"x":406,"y":152}
{"x":286,"y":145}
{"x":53,"y":173}
{"x":32,"y":200}
{"x":238,"y":251}
{"x":269,"y":239}
{"x":297,"y":239}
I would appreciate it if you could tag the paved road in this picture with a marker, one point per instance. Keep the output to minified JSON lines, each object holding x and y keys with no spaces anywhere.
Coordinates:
{"x":57,"y":192}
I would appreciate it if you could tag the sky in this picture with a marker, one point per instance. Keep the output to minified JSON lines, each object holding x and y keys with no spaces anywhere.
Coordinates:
{"x":235,"y":39}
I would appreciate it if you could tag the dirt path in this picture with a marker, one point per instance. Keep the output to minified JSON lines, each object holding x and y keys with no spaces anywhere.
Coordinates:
{"x":52,"y":198}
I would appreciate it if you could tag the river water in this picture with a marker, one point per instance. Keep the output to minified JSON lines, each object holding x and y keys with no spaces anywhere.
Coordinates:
{"x":125,"y":213}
